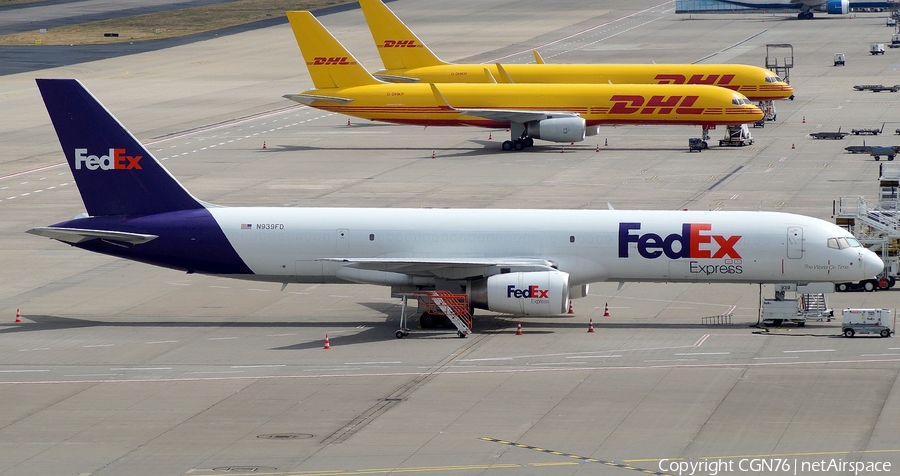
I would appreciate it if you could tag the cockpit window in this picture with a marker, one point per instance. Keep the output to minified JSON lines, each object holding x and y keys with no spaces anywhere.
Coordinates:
{"x":843,"y":242}
{"x":740,"y":101}
{"x":774,"y":79}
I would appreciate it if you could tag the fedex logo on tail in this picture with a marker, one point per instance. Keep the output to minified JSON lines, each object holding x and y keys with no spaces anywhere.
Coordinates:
{"x":695,"y":241}
{"x":115,"y":160}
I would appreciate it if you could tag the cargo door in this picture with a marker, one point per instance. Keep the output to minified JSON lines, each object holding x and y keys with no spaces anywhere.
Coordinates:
{"x":795,"y":242}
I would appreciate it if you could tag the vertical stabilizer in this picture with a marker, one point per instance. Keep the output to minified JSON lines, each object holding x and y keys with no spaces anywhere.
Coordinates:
{"x":330,"y":64}
{"x":398,"y":46}
{"x":115,"y":173}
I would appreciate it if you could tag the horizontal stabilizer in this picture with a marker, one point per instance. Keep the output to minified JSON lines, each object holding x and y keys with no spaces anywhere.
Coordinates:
{"x":311,"y":98}
{"x":77,"y":235}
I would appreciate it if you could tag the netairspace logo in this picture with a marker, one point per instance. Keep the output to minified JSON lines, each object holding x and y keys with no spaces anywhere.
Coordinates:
{"x":787,"y":466}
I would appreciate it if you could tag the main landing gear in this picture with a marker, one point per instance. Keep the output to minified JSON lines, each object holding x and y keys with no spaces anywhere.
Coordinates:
{"x":805,"y":15}
{"x":518,"y":144}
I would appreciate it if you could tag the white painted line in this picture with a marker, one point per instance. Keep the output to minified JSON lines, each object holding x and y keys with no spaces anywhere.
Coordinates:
{"x":98,"y":345}
{"x":671,"y":360}
{"x":221,"y":338}
{"x":30,"y":350}
{"x":23,"y":371}
{"x":702,"y":339}
{"x":141,"y":368}
{"x":91,"y":375}
{"x":593,"y":356}
{"x":705,"y":353}
{"x":262,"y":366}
{"x":162,"y":342}
{"x":874,"y":355}
{"x":218,"y":372}
{"x":486,"y":359}
{"x":809,"y":350}
{"x":281,"y":335}
{"x":774,"y":358}
{"x":371,"y":363}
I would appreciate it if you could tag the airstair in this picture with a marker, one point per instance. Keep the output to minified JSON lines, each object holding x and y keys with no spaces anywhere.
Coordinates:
{"x":815,"y":306}
{"x":444,"y":303}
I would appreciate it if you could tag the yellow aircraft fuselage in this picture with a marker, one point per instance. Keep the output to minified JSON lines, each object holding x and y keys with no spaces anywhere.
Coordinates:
{"x":598,"y":104}
{"x":757,"y":84}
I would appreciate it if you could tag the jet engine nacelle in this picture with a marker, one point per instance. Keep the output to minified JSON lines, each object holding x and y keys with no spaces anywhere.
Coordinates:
{"x":533,"y":293}
{"x":837,"y":7}
{"x":557,"y":129}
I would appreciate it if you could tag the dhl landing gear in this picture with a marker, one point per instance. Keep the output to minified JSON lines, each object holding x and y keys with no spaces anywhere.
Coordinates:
{"x":519,"y":139}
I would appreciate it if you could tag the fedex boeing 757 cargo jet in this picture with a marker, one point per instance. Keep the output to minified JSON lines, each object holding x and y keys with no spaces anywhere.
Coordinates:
{"x":523,"y":262}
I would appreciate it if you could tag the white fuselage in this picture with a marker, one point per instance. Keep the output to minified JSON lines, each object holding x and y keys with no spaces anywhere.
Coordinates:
{"x":309,"y":244}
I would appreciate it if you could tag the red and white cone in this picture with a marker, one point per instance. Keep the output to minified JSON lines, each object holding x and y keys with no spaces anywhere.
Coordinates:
{"x":264,"y":144}
{"x":804,"y":119}
{"x":571,"y":311}
{"x":519,"y":329}
{"x":591,"y":326}
{"x":598,"y":148}
{"x":793,"y":146}
{"x":327,"y":344}
{"x":348,"y":122}
{"x":18,"y":317}
{"x":432,"y":154}
{"x":605,"y":142}
{"x":606,"y":310}
{"x":490,"y":136}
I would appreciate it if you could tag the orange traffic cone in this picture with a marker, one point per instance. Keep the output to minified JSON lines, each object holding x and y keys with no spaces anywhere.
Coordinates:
{"x":606,"y":310}
{"x":264,"y":144}
{"x":327,"y":344}
{"x":591,"y":326}
{"x":519,"y":329}
{"x":18,"y":317}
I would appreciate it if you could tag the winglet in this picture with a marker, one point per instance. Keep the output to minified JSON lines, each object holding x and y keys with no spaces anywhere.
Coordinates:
{"x":115,"y":173}
{"x":398,"y":46}
{"x":440,"y":96}
{"x":504,"y":75}
{"x":537,"y":57}
{"x":330,"y":64}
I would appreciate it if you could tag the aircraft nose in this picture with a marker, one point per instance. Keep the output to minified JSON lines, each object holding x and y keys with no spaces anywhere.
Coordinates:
{"x":872,"y":264}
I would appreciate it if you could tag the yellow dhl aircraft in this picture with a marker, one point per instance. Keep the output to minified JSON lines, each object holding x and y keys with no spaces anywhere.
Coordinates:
{"x":407,"y":59}
{"x":531,"y":111}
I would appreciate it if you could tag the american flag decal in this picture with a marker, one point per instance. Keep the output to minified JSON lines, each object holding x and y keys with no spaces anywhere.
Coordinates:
{"x":246,"y":226}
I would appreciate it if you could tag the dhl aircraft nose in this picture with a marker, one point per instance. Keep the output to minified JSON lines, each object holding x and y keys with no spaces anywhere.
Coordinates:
{"x":872,"y":264}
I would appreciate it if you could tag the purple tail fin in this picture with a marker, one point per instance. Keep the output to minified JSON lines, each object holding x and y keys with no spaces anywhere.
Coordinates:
{"x":115,"y":173}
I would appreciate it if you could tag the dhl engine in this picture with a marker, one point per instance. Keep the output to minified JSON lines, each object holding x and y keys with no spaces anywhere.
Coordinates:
{"x":557,"y":129}
{"x":532,"y":293}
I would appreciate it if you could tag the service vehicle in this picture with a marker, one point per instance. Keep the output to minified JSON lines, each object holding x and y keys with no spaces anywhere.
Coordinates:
{"x":876,"y":48}
{"x":839,"y":59}
{"x":866,"y":321}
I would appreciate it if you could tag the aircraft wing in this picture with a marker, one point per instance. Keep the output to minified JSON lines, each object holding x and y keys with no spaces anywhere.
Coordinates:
{"x":512,"y":115}
{"x":78,"y":235}
{"x":435,"y":266}
{"x":501,"y":115}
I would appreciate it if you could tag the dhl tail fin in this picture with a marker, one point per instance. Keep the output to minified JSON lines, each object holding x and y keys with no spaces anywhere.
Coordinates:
{"x":398,"y":46}
{"x":330,"y":64}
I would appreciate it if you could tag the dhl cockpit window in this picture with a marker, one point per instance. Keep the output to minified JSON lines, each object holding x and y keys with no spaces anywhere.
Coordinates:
{"x":774,"y":79}
{"x":740,"y":101}
{"x":843,"y":242}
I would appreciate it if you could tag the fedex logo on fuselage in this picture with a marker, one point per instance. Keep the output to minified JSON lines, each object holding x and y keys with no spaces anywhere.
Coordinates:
{"x":712,"y":79}
{"x":629,"y":104}
{"x":693,"y":242}
{"x":331,"y":60}
{"x":399,"y":44}
{"x":531,"y":292}
{"x":115,"y":160}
